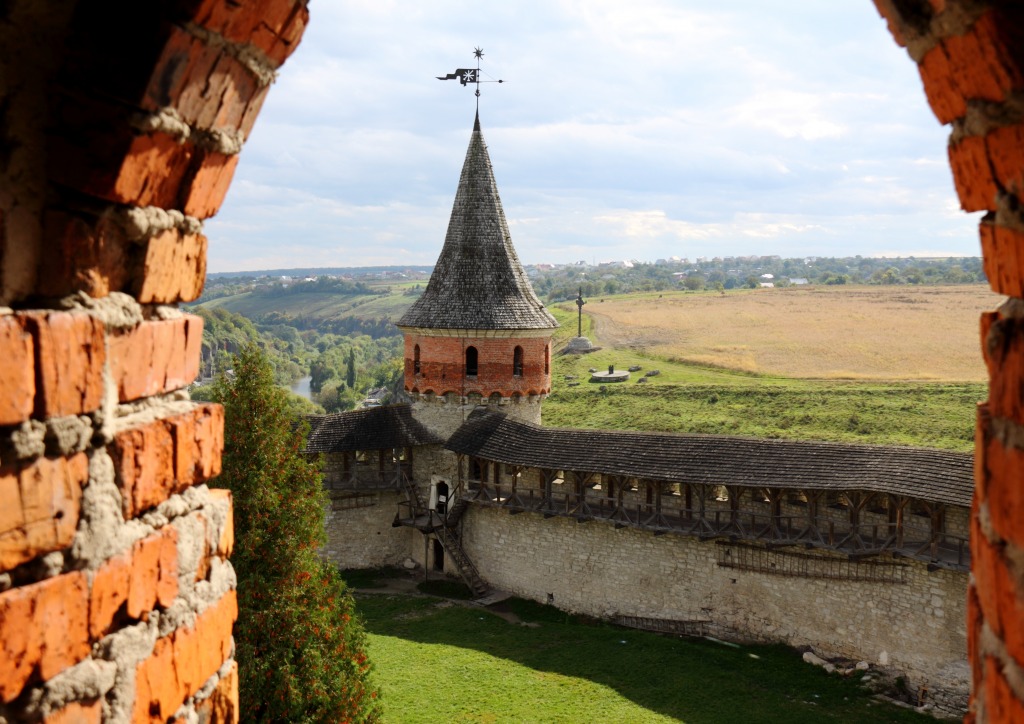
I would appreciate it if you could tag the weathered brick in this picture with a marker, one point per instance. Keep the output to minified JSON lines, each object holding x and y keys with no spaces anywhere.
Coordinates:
{"x":98,"y":152}
{"x":1005,"y":150}
{"x":273,"y":27}
{"x":1003,"y":488}
{"x":183,"y":661}
{"x":206,"y":85}
{"x":204,"y":190}
{"x":151,"y":172}
{"x":221,"y":707}
{"x":108,"y":593}
{"x":974,"y":624}
{"x":944,"y":97}
{"x":70,"y":353}
{"x":978,"y":65}
{"x":1003,"y":256}
{"x":135,"y":581}
{"x":155,"y":460}
{"x":1001,"y":704}
{"x":1003,"y":351}
{"x":144,"y":461}
{"x":972,"y":174}
{"x":174,"y":268}
{"x":17,"y":373}
{"x":43,"y":630}
{"x":77,"y":713}
{"x":84,"y":253}
{"x":155,"y":356}
{"x":39,"y":507}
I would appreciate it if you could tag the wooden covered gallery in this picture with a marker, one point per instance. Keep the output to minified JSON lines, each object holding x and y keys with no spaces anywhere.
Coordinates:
{"x":369,"y":449}
{"x":859,"y":500}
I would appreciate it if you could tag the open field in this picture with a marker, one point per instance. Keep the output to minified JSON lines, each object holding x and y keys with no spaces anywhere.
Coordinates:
{"x":438,"y":661}
{"x":799,"y":395}
{"x":838,"y":332}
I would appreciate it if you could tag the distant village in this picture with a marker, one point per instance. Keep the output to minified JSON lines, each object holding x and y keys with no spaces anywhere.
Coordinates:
{"x":556,"y":282}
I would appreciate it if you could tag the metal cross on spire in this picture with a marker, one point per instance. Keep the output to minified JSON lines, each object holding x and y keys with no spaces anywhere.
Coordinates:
{"x":470,"y":75}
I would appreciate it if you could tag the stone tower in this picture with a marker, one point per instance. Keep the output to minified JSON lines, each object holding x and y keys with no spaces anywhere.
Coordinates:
{"x":478,"y":334}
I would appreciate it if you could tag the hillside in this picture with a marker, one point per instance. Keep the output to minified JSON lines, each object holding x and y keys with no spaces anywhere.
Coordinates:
{"x":856,"y":363}
{"x":388,"y":303}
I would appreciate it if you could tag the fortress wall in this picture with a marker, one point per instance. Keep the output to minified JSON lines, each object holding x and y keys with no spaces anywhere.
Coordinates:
{"x":917,"y":627}
{"x":359,"y":532}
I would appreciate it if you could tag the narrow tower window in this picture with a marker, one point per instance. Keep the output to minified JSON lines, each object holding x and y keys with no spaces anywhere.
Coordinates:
{"x":547,"y":359}
{"x":416,"y":360}
{"x":471,"y":362}
{"x":517,"y":362}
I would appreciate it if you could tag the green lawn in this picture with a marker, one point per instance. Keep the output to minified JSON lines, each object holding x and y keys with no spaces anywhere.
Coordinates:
{"x":439,"y":662}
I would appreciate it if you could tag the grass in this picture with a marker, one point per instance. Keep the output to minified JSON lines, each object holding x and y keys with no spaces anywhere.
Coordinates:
{"x":938,"y":416}
{"x":445,"y":589}
{"x":440,"y":662}
{"x":371,"y":577}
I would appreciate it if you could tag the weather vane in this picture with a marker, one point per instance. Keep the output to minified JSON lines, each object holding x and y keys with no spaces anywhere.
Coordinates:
{"x":470,"y":75}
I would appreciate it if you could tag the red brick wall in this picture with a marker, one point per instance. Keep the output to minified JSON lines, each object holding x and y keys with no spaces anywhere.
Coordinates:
{"x":116,"y":595}
{"x":971,"y":58}
{"x":443,"y":365}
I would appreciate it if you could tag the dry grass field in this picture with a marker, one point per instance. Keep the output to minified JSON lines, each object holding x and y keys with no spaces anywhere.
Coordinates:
{"x":839,"y":332}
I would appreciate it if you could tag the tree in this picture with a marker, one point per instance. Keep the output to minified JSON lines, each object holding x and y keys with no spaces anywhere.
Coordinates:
{"x":299,"y":647}
{"x":350,"y":371}
{"x":319,"y":373}
{"x":694,"y":282}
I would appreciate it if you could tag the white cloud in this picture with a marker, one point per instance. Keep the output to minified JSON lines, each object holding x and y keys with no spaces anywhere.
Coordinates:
{"x":653,"y":128}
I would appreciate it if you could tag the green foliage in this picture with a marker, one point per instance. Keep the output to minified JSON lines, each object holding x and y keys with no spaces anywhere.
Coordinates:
{"x":456,"y":663}
{"x":300,"y":649}
{"x":319,"y":373}
{"x":916,"y":414}
{"x":350,"y":369}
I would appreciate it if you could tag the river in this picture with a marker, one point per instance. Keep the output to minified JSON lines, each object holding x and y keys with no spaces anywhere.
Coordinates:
{"x":301,"y":387}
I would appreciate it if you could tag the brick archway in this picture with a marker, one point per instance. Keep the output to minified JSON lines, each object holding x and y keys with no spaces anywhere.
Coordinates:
{"x":114,"y":148}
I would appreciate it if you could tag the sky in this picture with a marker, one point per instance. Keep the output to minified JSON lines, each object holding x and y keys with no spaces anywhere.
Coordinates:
{"x":622,"y":130}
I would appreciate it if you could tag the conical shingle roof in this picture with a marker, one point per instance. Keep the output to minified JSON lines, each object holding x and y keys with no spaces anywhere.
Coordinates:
{"x":478,"y":282}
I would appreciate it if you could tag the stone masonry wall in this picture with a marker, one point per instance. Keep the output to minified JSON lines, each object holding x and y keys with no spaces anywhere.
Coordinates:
{"x":970,"y":54}
{"x":117,"y":599}
{"x":916,"y":626}
{"x":359,"y":532}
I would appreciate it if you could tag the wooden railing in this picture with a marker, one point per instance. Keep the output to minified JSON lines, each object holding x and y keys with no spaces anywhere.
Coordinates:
{"x":668,"y":515}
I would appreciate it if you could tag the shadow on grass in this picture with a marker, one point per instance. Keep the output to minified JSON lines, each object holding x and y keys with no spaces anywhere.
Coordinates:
{"x":687,"y":680}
